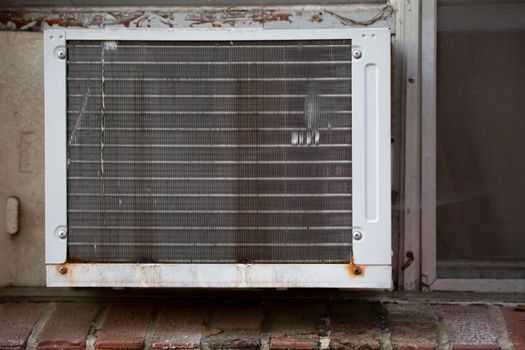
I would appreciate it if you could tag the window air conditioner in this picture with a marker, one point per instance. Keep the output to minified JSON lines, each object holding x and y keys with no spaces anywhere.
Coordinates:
{"x":218,"y":158}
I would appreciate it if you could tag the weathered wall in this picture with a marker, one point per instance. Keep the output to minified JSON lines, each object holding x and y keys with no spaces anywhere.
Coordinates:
{"x":22,"y":156}
{"x":268,"y":17}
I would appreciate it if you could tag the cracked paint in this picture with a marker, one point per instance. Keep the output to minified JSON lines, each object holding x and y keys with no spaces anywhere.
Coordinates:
{"x":296,"y":17}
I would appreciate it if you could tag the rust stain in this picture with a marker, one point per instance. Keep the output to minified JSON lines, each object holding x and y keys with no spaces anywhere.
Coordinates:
{"x":262,"y":12}
{"x":57,"y":21}
{"x":355,"y":270}
{"x":63,"y":19}
{"x":271,"y":16}
{"x":18,"y":21}
{"x":284,"y":16}
{"x":67,"y":270}
{"x":40,"y":19}
{"x":62,"y":269}
{"x":316,"y":18}
{"x":218,"y":18}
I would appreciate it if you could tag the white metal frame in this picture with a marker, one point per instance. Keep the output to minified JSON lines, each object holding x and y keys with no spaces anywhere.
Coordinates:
{"x":371,"y":177}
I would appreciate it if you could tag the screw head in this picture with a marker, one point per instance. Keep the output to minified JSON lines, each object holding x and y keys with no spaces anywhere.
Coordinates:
{"x":357,"y":235}
{"x":357,"y":54}
{"x":61,"y":52}
{"x":61,"y":232}
{"x":62,"y":269}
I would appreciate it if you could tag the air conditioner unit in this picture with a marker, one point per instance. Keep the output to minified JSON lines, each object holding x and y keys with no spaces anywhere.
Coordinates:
{"x":218,"y":158}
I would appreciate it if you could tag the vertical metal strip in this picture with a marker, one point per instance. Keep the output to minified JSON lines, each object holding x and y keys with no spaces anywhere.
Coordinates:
{"x":411,"y":110}
{"x":428,"y":142}
{"x":55,"y":141}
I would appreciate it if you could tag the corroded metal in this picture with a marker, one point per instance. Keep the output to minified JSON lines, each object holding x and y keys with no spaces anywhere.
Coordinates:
{"x":220,"y":275}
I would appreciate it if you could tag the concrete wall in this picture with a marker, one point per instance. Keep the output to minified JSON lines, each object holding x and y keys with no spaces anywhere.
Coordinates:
{"x":22,"y":156}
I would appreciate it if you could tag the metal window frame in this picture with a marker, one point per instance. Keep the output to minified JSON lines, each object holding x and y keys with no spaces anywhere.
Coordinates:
{"x":407,"y":77}
{"x":429,"y":280}
{"x":371,"y":177}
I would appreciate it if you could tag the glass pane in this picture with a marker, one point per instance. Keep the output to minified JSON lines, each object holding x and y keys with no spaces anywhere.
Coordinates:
{"x":481,"y":142}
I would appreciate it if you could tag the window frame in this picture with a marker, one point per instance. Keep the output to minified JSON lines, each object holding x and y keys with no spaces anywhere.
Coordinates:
{"x":428,"y":279}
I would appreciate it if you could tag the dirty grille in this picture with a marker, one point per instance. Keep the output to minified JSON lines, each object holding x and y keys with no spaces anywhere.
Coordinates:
{"x":210,"y":152}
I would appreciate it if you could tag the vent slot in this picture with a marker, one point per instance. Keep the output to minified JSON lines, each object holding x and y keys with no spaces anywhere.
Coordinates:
{"x":209,"y":152}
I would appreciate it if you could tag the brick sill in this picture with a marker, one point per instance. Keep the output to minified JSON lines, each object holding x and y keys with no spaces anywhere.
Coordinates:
{"x":36,"y":318}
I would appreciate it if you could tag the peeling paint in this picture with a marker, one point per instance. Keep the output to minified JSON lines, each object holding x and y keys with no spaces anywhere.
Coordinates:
{"x":296,"y":17}
{"x":385,"y":13}
{"x":231,"y":17}
{"x":316,"y":17}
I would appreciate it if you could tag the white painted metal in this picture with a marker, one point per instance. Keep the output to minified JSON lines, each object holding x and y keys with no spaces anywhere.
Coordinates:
{"x":55,"y":145}
{"x":370,"y":157}
{"x":212,"y":34}
{"x":218,"y":276}
{"x":371,"y":148}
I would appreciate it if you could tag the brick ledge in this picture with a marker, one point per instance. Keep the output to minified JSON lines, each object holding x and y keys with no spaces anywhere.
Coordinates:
{"x":258,"y":324}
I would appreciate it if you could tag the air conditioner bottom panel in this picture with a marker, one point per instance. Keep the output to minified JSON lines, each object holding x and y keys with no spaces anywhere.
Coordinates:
{"x":219,"y":275}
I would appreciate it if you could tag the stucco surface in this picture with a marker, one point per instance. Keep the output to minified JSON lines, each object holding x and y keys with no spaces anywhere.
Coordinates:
{"x":22,"y":157}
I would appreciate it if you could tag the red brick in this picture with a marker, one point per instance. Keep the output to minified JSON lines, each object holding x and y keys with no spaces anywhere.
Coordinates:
{"x":16,"y":323}
{"x":233,"y":326}
{"x":296,"y":326}
{"x":515,"y":321}
{"x":469,"y":327}
{"x":179,"y":327}
{"x":354,"y":326}
{"x":412,"y":326}
{"x":124,"y":327}
{"x":67,"y":327}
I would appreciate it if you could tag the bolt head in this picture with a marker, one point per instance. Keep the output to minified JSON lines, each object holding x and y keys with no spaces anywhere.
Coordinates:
{"x":357,"y":54}
{"x":61,"y":232}
{"x":357,"y":235}
{"x":61,"y":52}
